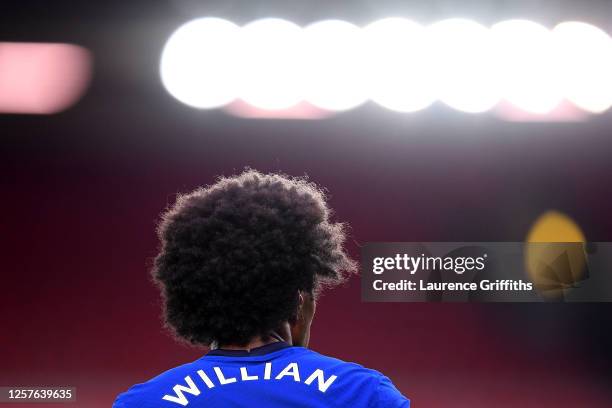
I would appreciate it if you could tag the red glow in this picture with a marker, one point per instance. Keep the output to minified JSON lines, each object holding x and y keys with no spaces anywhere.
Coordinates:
{"x":42,"y":78}
{"x":564,"y":112}
{"x":302,"y":110}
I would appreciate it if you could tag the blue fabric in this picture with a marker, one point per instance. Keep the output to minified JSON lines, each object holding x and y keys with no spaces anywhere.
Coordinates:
{"x":276,"y":375}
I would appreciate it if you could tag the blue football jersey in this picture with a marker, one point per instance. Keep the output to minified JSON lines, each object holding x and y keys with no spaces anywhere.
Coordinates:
{"x":275,"y":375}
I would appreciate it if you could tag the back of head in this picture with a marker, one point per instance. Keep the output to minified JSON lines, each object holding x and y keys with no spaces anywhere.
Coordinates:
{"x":235,"y":254}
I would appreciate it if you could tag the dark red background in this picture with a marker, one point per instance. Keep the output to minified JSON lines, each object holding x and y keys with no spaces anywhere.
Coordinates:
{"x":82,"y":190}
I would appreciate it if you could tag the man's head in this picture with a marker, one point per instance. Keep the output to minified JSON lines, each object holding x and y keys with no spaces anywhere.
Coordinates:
{"x":247,"y":256}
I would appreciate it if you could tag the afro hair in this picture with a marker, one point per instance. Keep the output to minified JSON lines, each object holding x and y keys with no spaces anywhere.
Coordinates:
{"x":235,"y":254}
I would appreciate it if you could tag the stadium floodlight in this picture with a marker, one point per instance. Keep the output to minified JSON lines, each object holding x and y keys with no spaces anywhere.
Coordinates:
{"x":526,"y":65}
{"x":274,"y":65}
{"x":271,"y":74}
{"x":585,"y":54}
{"x":198,"y":64}
{"x":463,"y":65}
{"x":334,"y":65}
{"x":398,"y":72}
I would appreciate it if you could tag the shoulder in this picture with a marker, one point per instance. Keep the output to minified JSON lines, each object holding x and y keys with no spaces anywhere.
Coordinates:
{"x":146,"y":393}
{"x":340,"y":366}
{"x":360,"y":379}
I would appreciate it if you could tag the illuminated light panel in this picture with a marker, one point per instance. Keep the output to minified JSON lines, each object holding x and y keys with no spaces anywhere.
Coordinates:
{"x":271,"y":74}
{"x":462,"y":64}
{"x":199,"y":63}
{"x":398,"y":72}
{"x":585,"y":54}
{"x":334,"y":65}
{"x":526,"y":68}
{"x":42,"y":78}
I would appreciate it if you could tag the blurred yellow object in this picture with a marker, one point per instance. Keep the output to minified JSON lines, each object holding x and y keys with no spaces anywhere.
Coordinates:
{"x":554,"y":226}
{"x":554,"y":255}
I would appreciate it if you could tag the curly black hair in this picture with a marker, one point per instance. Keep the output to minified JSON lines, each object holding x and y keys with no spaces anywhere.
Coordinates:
{"x":235,"y":254}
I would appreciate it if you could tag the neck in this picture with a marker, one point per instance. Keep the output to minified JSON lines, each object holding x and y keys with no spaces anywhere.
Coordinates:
{"x":282,"y":334}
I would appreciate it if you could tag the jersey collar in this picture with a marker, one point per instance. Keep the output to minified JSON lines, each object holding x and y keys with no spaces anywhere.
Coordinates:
{"x":258,"y":351}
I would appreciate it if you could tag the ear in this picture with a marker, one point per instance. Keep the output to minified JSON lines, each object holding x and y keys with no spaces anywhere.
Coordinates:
{"x":300,"y":328}
{"x":306,"y":306}
{"x":299,"y":312}
{"x":301,"y":301}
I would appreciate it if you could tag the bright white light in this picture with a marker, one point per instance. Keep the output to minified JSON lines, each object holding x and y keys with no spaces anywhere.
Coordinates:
{"x":461,"y":56}
{"x":271,"y":64}
{"x":586,"y":64}
{"x":334,"y":65}
{"x":398,"y":69}
{"x":198,"y":64}
{"x":526,"y":65}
